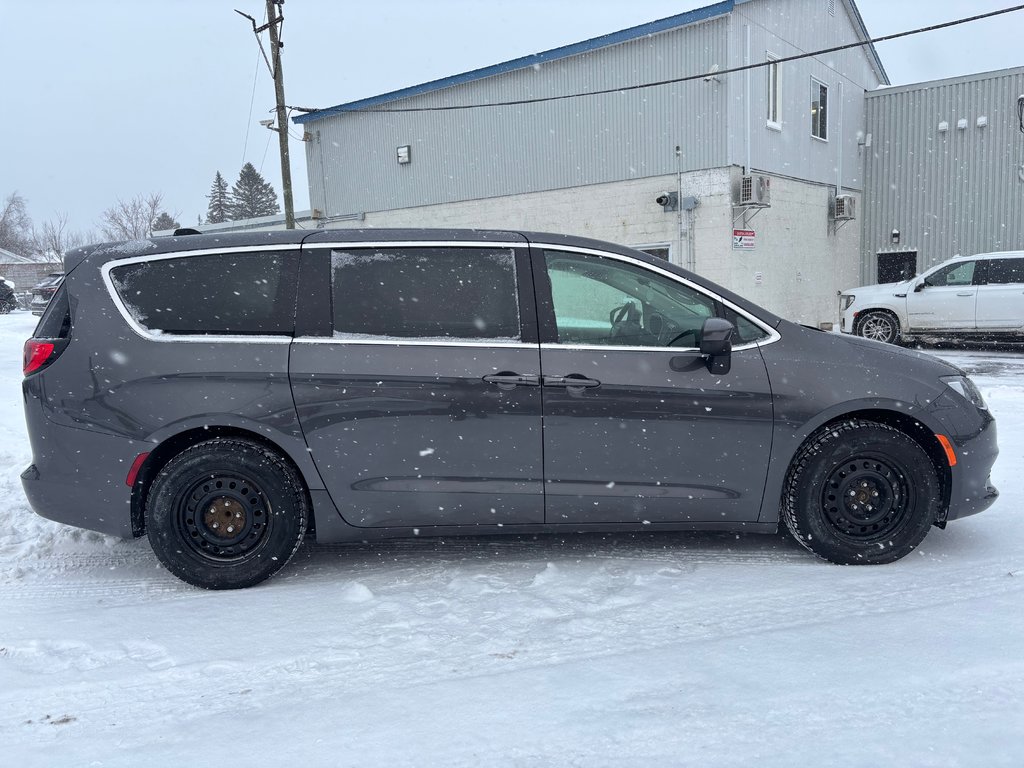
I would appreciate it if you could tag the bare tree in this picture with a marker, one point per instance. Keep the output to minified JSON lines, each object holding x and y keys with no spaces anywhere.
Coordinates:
{"x":132,"y":219}
{"x":15,"y":225}
{"x":54,"y":239}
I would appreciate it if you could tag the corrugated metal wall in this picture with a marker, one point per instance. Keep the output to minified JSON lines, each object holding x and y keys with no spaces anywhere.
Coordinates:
{"x":958,"y":191}
{"x":461,"y":155}
{"x":787,"y":29}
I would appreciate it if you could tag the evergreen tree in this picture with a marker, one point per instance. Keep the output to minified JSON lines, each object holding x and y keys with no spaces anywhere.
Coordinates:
{"x":165,"y":221}
{"x":220,"y":201}
{"x":252,"y":196}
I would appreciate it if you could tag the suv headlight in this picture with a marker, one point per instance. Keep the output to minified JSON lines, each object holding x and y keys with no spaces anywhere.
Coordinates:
{"x":964,"y":387}
{"x":845,"y":300}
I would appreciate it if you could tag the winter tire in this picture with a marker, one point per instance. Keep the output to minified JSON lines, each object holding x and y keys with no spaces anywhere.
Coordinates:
{"x":226,"y":514}
{"x":880,"y":326}
{"x":859,"y":492}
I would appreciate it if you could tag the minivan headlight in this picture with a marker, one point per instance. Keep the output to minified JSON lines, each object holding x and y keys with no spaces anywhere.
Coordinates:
{"x":845,"y":300}
{"x":964,"y":387}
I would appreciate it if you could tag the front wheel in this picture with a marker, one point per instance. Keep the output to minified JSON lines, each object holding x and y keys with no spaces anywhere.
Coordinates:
{"x":859,"y":492}
{"x":226,"y":514}
{"x":880,"y":326}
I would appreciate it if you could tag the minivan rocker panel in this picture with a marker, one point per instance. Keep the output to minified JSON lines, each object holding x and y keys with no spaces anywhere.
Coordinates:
{"x":223,"y":395}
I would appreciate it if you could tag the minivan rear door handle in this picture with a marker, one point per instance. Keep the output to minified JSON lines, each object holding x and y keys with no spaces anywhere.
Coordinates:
{"x":509,"y":380}
{"x":571,"y":381}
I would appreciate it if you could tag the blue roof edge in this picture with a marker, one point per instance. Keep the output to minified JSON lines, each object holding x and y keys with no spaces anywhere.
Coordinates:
{"x":573,"y":49}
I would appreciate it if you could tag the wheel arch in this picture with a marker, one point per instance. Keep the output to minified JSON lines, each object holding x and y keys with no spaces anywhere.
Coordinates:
{"x":173,"y":445}
{"x":912,"y":426}
{"x":863,"y":313}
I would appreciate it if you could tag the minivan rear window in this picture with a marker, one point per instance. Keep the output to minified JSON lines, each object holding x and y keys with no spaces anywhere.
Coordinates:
{"x":216,"y":294}
{"x":425,"y":293}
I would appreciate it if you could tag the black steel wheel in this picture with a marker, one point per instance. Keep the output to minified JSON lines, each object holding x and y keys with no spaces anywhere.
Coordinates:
{"x":861,"y":492}
{"x":226,"y":514}
{"x":880,"y":326}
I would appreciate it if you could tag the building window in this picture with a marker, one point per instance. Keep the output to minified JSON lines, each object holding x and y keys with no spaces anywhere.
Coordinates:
{"x":773,"y":92}
{"x":819,"y":110}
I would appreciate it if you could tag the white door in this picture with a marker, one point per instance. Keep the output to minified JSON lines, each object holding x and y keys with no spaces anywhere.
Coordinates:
{"x":945,"y":299}
{"x":1001,"y":297}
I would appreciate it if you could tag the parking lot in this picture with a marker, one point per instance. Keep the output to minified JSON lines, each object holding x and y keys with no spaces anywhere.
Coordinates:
{"x":711,"y":649}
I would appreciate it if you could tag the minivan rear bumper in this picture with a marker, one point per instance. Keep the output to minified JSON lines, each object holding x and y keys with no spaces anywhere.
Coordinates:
{"x":77,"y":476}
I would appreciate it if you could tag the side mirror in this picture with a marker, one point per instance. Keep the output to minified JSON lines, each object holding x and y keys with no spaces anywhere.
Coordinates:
{"x":920,"y":286}
{"x":716,"y":344}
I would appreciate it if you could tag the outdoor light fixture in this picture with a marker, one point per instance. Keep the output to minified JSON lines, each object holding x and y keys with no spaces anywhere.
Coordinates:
{"x":404,"y":154}
{"x":895,"y":237}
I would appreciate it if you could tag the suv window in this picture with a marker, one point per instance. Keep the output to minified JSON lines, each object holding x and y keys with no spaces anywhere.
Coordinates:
{"x":425,"y":293}
{"x":954,"y":274}
{"x":227,"y":294}
{"x":603,"y":301}
{"x":1001,"y":271}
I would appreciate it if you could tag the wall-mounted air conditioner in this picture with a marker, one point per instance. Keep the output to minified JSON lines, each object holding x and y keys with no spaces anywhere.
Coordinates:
{"x":755,"y":191}
{"x":845,"y":208}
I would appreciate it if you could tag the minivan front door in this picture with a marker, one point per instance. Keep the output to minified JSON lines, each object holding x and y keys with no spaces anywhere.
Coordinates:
{"x":636,"y":428}
{"x":423,"y":406}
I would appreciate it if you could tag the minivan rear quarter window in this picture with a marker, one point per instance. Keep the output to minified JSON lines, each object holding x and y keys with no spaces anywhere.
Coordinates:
{"x":217,"y":294}
{"x":425,"y":293}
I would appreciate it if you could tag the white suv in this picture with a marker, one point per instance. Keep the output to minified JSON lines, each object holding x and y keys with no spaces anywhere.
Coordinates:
{"x":980,"y":296}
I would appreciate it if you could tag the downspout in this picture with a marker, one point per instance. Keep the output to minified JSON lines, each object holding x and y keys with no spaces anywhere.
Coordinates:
{"x":839,"y":139}
{"x":746,"y":75}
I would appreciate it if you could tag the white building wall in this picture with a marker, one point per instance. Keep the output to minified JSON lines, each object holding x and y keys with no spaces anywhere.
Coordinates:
{"x":777,"y":273}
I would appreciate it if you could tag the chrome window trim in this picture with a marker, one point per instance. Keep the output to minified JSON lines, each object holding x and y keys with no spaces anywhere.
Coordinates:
{"x":773,"y":335}
{"x":192,"y":338}
{"x":105,"y":269}
{"x":414,"y":342}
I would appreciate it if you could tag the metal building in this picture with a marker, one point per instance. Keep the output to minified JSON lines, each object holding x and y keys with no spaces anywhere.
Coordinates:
{"x":945,"y":172}
{"x":735,"y":175}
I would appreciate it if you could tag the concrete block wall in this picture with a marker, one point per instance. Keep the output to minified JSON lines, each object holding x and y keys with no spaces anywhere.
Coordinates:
{"x":795,"y":269}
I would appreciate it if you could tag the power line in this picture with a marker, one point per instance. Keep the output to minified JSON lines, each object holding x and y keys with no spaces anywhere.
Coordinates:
{"x":689,"y":78}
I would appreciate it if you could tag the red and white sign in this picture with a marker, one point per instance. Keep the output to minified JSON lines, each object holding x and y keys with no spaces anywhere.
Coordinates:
{"x":743,"y":239}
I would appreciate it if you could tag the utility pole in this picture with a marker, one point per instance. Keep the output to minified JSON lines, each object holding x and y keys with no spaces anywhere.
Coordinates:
{"x":274,"y":21}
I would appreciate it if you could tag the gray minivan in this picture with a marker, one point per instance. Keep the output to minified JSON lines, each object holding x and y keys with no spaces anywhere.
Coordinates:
{"x":224,"y":394}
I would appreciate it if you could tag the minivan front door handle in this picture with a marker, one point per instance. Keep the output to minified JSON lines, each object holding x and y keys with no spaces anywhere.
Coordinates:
{"x":571,"y":381}
{"x":509,"y":380}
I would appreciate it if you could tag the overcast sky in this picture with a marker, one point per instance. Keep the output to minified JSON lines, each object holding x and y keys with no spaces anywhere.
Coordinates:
{"x":107,"y":98}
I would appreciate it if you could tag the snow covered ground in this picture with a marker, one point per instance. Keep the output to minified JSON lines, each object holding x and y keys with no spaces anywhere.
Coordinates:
{"x":646,"y":650}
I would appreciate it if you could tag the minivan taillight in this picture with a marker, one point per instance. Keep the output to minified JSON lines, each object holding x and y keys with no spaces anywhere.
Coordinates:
{"x":38,"y":354}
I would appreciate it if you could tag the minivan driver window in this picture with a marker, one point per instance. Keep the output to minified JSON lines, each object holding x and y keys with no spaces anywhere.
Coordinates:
{"x":607,"y":302}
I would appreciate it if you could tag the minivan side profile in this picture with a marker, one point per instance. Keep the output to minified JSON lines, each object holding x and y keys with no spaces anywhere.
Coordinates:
{"x":225,"y":395}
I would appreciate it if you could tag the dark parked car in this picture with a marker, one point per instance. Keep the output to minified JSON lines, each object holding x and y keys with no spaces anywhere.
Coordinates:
{"x":8,"y":298}
{"x":43,"y":291}
{"x":451,"y":382}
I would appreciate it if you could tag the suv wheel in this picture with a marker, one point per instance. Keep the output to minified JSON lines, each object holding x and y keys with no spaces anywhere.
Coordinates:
{"x":880,"y":326}
{"x":226,"y":514}
{"x":861,"y":493}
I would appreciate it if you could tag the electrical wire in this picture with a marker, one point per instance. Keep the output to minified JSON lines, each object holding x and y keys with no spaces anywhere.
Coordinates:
{"x":689,"y":78}
{"x":252,"y":101}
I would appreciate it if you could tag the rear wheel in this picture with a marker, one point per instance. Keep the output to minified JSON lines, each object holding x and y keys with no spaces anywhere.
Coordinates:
{"x":859,"y":492}
{"x":880,"y":326}
{"x":226,"y":514}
